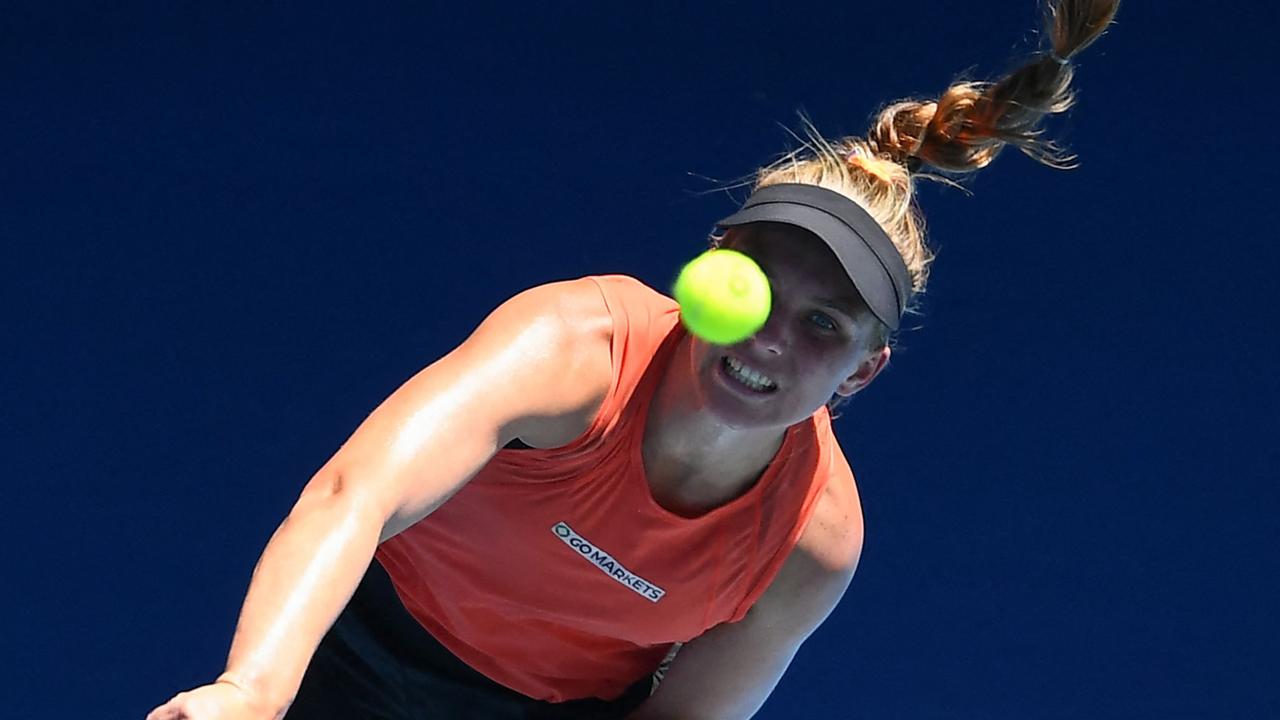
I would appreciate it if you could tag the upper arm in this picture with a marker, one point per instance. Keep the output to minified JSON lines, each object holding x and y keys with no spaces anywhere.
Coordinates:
{"x":729,"y":671}
{"x":541,"y":356}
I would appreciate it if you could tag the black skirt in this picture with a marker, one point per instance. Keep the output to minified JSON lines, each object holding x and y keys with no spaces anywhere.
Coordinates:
{"x":378,"y":663}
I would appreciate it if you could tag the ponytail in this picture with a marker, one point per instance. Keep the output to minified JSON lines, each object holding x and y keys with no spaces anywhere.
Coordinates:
{"x":959,"y":132}
{"x":965,"y":128}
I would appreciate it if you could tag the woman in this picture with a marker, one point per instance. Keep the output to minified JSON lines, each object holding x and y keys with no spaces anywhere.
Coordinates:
{"x":583,"y":511}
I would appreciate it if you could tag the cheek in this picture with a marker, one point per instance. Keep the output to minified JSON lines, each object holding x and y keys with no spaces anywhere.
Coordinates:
{"x":828,"y":364}
{"x":704,"y":358}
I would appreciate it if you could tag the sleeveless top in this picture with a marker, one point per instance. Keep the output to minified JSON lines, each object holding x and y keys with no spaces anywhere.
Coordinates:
{"x":554,"y":572}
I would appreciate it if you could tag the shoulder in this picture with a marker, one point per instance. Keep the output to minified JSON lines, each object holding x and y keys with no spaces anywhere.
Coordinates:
{"x":577,"y":303}
{"x":625,"y":296}
{"x":833,"y":537}
{"x":593,"y":305}
{"x":820,"y":567}
{"x":578,"y":331}
{"x":569,"y":317}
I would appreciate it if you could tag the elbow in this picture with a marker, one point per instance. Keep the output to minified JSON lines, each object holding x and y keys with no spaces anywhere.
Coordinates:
{"x":330,"y":492}
{"x":322,"y":489}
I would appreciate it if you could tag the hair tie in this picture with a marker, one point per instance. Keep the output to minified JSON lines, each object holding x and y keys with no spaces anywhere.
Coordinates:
{"x":1057,"y":58}
{"x":869,"y":163}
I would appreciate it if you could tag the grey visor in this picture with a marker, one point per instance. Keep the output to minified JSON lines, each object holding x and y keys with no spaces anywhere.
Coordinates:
{"x":859,"y":243}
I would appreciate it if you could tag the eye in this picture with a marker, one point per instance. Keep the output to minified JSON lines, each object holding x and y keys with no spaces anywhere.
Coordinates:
{"x":824,"y":321}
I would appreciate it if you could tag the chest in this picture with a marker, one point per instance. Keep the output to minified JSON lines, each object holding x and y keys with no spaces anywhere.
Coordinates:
{"x":598,"y":557}
{"x":689,"y":492}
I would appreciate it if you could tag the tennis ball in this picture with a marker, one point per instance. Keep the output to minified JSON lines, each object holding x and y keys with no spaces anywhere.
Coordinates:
{"x":724,"y":296}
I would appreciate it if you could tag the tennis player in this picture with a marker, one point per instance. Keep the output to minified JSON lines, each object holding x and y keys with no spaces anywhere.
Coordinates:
{"x":584,"y":512}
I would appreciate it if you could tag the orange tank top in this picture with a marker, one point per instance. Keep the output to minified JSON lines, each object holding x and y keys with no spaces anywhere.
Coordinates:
{"x":555,"y":572}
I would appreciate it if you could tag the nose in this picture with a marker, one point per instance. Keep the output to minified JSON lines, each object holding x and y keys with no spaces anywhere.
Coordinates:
{"x":772,"y":338}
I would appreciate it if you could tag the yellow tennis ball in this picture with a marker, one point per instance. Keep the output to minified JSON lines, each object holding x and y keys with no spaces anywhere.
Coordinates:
{"x":724,"y":296}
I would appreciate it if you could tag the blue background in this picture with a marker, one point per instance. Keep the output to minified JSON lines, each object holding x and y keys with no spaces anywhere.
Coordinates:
{"x":230,"y":231}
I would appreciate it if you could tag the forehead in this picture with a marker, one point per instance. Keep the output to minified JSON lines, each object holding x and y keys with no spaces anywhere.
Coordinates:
{"x":783,"y":242}
{"x":795,"y":255}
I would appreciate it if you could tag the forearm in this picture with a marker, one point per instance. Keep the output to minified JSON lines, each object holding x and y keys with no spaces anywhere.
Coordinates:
{"x":305,"y":577}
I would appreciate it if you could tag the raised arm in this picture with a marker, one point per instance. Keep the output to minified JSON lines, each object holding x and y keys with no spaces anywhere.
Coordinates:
{"x":542,"y":358}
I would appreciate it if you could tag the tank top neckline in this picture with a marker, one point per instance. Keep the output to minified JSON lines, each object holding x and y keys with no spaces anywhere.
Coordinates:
{"x":646,"y":390}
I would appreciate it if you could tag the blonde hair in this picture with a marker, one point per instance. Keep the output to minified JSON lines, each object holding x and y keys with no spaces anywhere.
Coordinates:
{"x":961,"y":131}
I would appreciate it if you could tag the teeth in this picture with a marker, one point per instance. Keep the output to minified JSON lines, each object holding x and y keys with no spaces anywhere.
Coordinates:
{"x":751,"y":377}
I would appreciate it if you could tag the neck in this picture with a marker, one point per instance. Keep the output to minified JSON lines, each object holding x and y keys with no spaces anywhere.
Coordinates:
{"x":691,"y":455}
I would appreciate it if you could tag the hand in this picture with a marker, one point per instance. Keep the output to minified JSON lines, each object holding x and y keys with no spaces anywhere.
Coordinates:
{"x":221,"y":700}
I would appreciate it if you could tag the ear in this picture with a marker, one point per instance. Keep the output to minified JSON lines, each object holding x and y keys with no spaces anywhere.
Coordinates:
{"x":865,"y":373}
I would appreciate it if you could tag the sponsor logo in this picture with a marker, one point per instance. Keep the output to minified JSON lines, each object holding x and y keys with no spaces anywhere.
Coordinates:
{"x":607,"y":564}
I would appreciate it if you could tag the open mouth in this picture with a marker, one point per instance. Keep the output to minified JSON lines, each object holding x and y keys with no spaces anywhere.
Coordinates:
{"x":747,"y":377}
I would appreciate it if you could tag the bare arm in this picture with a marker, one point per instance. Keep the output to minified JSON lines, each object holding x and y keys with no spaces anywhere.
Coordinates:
{"x":729,"y":671}
{"x":542,"y":357}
